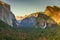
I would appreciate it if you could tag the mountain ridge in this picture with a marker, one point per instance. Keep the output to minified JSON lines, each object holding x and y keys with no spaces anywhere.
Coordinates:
{"x":51,"y":14}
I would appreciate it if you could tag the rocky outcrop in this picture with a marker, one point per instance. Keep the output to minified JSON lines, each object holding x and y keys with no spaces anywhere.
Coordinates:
{"x":5,"y":14}
{"x":53,"y":13}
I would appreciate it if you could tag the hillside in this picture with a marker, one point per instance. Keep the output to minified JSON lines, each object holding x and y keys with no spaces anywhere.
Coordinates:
{"x":9,"y":33}
{"x":38,"y":32}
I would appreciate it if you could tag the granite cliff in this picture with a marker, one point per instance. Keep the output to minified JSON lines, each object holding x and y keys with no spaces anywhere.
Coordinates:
{"x":53,"y":12}
{"x":5,"y":14}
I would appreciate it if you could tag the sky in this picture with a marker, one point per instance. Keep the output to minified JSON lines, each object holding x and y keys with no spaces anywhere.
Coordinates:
{"x":26,"y":7}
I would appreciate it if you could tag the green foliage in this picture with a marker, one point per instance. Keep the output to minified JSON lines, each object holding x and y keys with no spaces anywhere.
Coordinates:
{"x":9,"y":33}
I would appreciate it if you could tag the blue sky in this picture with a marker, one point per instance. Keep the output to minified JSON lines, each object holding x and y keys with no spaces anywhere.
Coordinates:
{"x":25,"y":7}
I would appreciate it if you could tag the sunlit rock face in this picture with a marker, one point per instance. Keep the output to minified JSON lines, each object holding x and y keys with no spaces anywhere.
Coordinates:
{"x":54,"y":13}
{"x":5,"y":14}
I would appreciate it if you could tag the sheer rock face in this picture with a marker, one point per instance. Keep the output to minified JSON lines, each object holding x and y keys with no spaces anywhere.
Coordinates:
{"x":5,"y":14}
{"x":53,"y":13}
